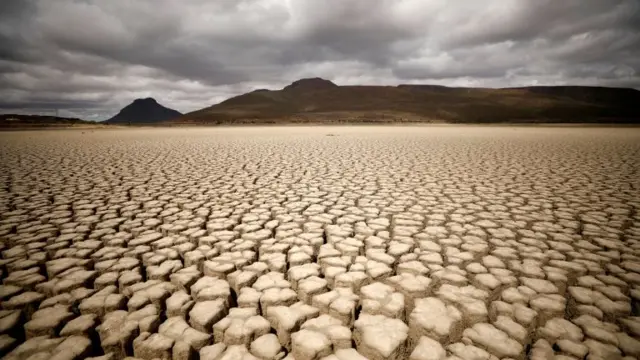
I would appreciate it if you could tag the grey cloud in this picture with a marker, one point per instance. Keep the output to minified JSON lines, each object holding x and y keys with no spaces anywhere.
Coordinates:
{"x":547,"y":19}
{"x":50,"y":103}
{"x":143,"y":37}
{"x":92,"y":57}
{"x":15,"y":15}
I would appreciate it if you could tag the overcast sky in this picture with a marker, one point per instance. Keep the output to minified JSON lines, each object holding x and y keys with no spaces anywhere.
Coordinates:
{"x":89,"y":58}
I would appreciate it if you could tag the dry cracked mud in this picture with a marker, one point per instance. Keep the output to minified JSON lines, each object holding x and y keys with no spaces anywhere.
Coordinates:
{"x":441,"y":242}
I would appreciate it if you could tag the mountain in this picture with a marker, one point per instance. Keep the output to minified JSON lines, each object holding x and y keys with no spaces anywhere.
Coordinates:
{"x":321,"y":101}
{"x":143,"y":111}
{"x":310,"y":85}
{"x":19,"y":121}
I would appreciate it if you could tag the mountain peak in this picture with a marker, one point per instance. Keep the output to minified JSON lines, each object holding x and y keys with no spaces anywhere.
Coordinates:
{"x":144,"y":110}
{"x":148,"y":100}
{"x":315,"y":83}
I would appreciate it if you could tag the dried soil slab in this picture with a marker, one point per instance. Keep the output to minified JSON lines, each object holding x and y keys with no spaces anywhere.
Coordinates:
{"x":7,"y":291}
{"x":48,"y":321}
{"x":288,"y":319}
{"x":380,"y":337}
{"x":26,"y":279}
{"x":117,"y":334}
{"x":311,"y":286}
{"x":434,"y":318}
{"x":470,"y":300}
{"x":240,"y":327}
{"x":211,"y":288}
{"x":7,"y":343}
{"x":428,"y":349}
{"x":340,"y":303}
{"x":464,"y":351}
{"x":338,"y":334}
{"x":495,"y":341}
{"x":42,"y":347}
{"x":267,"y":347}
{"x":206,"y":313}
{"x":10,"y":321}
{"x":177,"y":329}
{"x":223,"y":352}
{"x":153,"y":292}
{"x":411,"y":286}
{"x":378,"y":298}
{"x":103,"y":302}
{"x":152,"y":346}
{"x":82,"y":325}
{"x":179,"y":304}
{"x":184,"y":278}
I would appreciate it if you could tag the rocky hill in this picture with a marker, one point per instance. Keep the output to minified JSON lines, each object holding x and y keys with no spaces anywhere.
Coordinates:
{"x":143,"y":111}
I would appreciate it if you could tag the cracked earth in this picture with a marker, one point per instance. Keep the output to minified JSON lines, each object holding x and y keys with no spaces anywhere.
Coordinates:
{"x":459,"y":243}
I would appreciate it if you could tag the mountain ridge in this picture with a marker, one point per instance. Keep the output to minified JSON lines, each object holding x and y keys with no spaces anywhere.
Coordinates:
{"x":20,"y":121}
{"x":318,"y":100}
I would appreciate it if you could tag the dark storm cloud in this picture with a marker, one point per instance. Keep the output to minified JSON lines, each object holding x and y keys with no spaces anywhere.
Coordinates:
{"x":91,"y":57}
{"x":14,"y":15}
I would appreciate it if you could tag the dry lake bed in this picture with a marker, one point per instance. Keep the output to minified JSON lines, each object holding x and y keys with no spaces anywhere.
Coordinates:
{"x":337,"y":243}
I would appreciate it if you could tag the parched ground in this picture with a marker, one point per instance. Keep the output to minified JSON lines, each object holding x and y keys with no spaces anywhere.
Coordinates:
{"x":432,"y":242}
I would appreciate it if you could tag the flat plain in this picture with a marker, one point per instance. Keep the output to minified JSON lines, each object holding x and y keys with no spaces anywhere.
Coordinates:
{"x":337,"y":243}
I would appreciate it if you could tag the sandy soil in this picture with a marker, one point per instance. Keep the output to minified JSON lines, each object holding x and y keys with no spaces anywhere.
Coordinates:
{"x":346,"y":242}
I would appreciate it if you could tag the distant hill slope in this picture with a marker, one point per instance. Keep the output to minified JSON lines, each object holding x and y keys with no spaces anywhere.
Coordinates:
{"x":17,"y":121}
{"x":319,"y":100}
{"x":143,"y":111}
